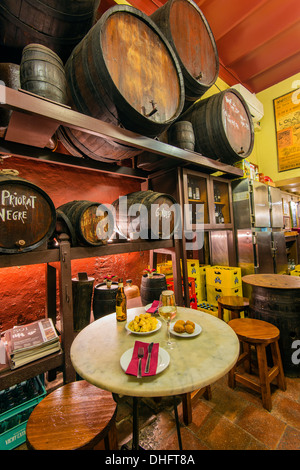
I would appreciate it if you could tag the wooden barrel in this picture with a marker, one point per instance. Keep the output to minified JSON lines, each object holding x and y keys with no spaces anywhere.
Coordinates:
{"x":275,"y":298}
{"x":57,"y":24}
{"x":222,"y":126}
{"x":190,"y":36}
{"x":146,"y":215}
{"x":82,"y":291}
{"x":27,"y":215}
{"x":10,"y":77}
{"x":104,"y":301}
{"x":152,"y":287}
{"x":86,"y":222}
{"x":42,"y":72}
{"x":124,"y":72}
{"x":181,"y":134}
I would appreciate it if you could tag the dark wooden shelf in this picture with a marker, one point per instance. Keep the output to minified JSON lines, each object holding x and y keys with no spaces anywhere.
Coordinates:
{"x":34,"y":121}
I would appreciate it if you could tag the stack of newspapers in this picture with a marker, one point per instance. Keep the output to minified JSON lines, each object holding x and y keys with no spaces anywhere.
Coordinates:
{"x":26,"y":343}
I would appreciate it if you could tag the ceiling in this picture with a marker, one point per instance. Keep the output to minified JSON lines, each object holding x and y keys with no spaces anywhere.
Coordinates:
{"x":258,"y":41}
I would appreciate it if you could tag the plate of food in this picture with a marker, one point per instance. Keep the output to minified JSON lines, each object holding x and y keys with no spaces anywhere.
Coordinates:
{"x":143,"y":324}
{"x":185,"y":329}
{"x":163,"y":359}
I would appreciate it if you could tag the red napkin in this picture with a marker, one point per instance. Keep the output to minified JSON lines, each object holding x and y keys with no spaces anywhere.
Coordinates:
{"x":132,"y":368}
{"x":154,"y":307}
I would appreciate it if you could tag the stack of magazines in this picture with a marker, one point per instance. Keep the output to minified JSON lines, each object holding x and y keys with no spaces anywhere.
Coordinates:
{"x":26,"y":343}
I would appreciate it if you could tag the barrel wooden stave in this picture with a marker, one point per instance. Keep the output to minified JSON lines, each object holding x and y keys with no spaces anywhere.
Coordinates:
{"x":123,"y":44}
{"x":42,"y":73}
{"x":222,"y":126}
{"x":87,"y":227}
{"x":192,"y":40}
{"x":181,"y":134}
{"x":27,"y":215}
{"x":152,"y":287}
{"x":281,"y":308}
{"x":143,"y":220}
{"x":104,"y":301}
{"x":56,"y":24}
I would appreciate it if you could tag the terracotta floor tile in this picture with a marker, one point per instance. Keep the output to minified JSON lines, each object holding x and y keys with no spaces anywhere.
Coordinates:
{"x":219,"y":433}
{"x":288,"y":411}
{"x":227,"y":402}
{"x":290,"y":439}
{"x":261,"y":424}
{"x":201,"y":409}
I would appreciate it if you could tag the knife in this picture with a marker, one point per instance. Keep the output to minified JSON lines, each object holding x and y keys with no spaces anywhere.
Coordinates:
{"x":148,"y":358}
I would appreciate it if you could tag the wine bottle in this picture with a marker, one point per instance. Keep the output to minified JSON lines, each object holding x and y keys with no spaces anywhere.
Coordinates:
{"x":121,"y":302}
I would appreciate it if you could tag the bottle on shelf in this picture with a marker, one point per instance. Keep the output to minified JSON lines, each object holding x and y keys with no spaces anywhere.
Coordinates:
{"x":121,"y":302}
{"x":197,"y":192}
{"x":217,"y":215}
{"x":190,"y":189}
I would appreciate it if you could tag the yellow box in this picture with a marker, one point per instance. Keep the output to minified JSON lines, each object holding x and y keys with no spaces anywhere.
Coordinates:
{"x":214,"y":293}
{"x":224,"y":276}
{"x":201,"y":294}
{"x":295,"y":272}
{"x":165,"y":268}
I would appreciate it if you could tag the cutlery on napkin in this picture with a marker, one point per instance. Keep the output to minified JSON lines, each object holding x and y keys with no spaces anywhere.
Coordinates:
{"x":132,"y":368}
{"x":154,"y":307}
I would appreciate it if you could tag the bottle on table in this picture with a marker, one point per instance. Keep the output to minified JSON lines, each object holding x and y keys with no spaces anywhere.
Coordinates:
{"x":121,"y":302}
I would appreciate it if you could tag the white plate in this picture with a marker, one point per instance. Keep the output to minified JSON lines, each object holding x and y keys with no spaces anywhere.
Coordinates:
{"x":142,"y":333}
{"x":162,"y":363}
{"x":196,"y":332}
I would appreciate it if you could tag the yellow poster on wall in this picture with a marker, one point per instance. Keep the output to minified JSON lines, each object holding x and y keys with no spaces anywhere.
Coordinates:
{"x":287,"y":122}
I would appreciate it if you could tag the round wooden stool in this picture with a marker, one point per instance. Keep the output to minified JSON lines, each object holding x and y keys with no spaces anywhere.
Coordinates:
{"x":235,"y":304}
{"x":260,"y":334}
{"x":76,"y":416}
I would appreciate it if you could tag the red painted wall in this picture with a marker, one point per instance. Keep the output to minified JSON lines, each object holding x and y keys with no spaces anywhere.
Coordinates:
{"x":22,"y":292}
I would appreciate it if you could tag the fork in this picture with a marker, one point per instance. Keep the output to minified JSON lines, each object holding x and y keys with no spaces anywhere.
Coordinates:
{"x":140,"y":356}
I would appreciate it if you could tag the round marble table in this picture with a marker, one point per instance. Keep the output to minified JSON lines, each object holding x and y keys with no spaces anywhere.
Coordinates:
{"x":194,"y":362}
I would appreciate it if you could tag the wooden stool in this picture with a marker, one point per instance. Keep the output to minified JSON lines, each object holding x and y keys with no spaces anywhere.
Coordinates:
{"x":235,"y":304}
{"x":187,"y":402}
{"x":258,"y":333}
{"x":76,"y":416}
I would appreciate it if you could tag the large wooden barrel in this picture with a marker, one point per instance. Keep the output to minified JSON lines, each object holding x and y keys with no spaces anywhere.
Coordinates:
{"x":27,"y":215}
{"x":10,"y":77}
{"x":125,"y":72}
{"x":189,"y":33}
{"x":152,"y":287}
{"x":275,"y":298}
{"x":181,"y":134}
{"x":57,"y":24}
{"x":86,"y":222}
{"x":104,"y":301}
{"x":42,"y":72}
{"x":222,"y":126}
{"x":146,"y":215}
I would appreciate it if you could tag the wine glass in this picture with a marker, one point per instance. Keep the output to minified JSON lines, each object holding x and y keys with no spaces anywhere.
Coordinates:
{"x":167,"y":310}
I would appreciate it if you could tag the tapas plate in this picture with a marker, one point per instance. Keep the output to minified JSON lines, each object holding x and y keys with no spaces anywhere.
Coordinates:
{"x":162,"y":362}
{"x":143,"y":333}
{"x":196,"y":331}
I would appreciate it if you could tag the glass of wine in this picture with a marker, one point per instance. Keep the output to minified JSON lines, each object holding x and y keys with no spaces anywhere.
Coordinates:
{"x":167,"y":310}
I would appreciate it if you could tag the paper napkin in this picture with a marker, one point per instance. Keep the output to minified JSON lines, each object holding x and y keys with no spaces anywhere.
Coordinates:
{"x":132,"y":368}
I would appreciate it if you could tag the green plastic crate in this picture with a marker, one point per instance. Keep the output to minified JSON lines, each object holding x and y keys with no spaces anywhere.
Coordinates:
{"x":13,"y":421}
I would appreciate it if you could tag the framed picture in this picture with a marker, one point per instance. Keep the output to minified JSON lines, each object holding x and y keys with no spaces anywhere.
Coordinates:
{"x":287,"y":124}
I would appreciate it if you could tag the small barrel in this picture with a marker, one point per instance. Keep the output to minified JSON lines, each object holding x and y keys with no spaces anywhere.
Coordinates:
{"x":181,"y":134}
{"x":57,"y":24}
{"x":104,"y":301}
{"x":86,"y":222}
{"x":192,"y":40}
{"x":82,"y":291}
{"x":146,"y":215}
{"x":152,"y":287}
{"x":42,"y":72}
{"x":27,"y":215}
{"x":107,"y":72}
{"x":223,"y":126}
{"x":10,"y":77}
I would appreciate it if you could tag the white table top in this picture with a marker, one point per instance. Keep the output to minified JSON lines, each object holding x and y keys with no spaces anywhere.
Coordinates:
{"x":194,"y":362}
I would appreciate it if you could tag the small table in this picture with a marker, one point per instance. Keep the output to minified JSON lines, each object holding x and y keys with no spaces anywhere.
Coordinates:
{"x":194,"y":362}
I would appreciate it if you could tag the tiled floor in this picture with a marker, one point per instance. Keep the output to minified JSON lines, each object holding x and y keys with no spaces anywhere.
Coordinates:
{"x":231,"y":420}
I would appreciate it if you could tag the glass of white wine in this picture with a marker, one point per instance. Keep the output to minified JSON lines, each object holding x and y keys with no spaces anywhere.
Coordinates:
{"x":167,"y":310}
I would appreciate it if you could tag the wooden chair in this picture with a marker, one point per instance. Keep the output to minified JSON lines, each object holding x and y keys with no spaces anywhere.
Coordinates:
{"x":260,"y":334}
{"x":76,"y":416}
{"x":235,"y":304}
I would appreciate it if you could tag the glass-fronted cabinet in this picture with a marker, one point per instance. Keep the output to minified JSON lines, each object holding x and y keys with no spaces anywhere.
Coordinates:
{"x":222,"y":213}
{"x":197,"y":199}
